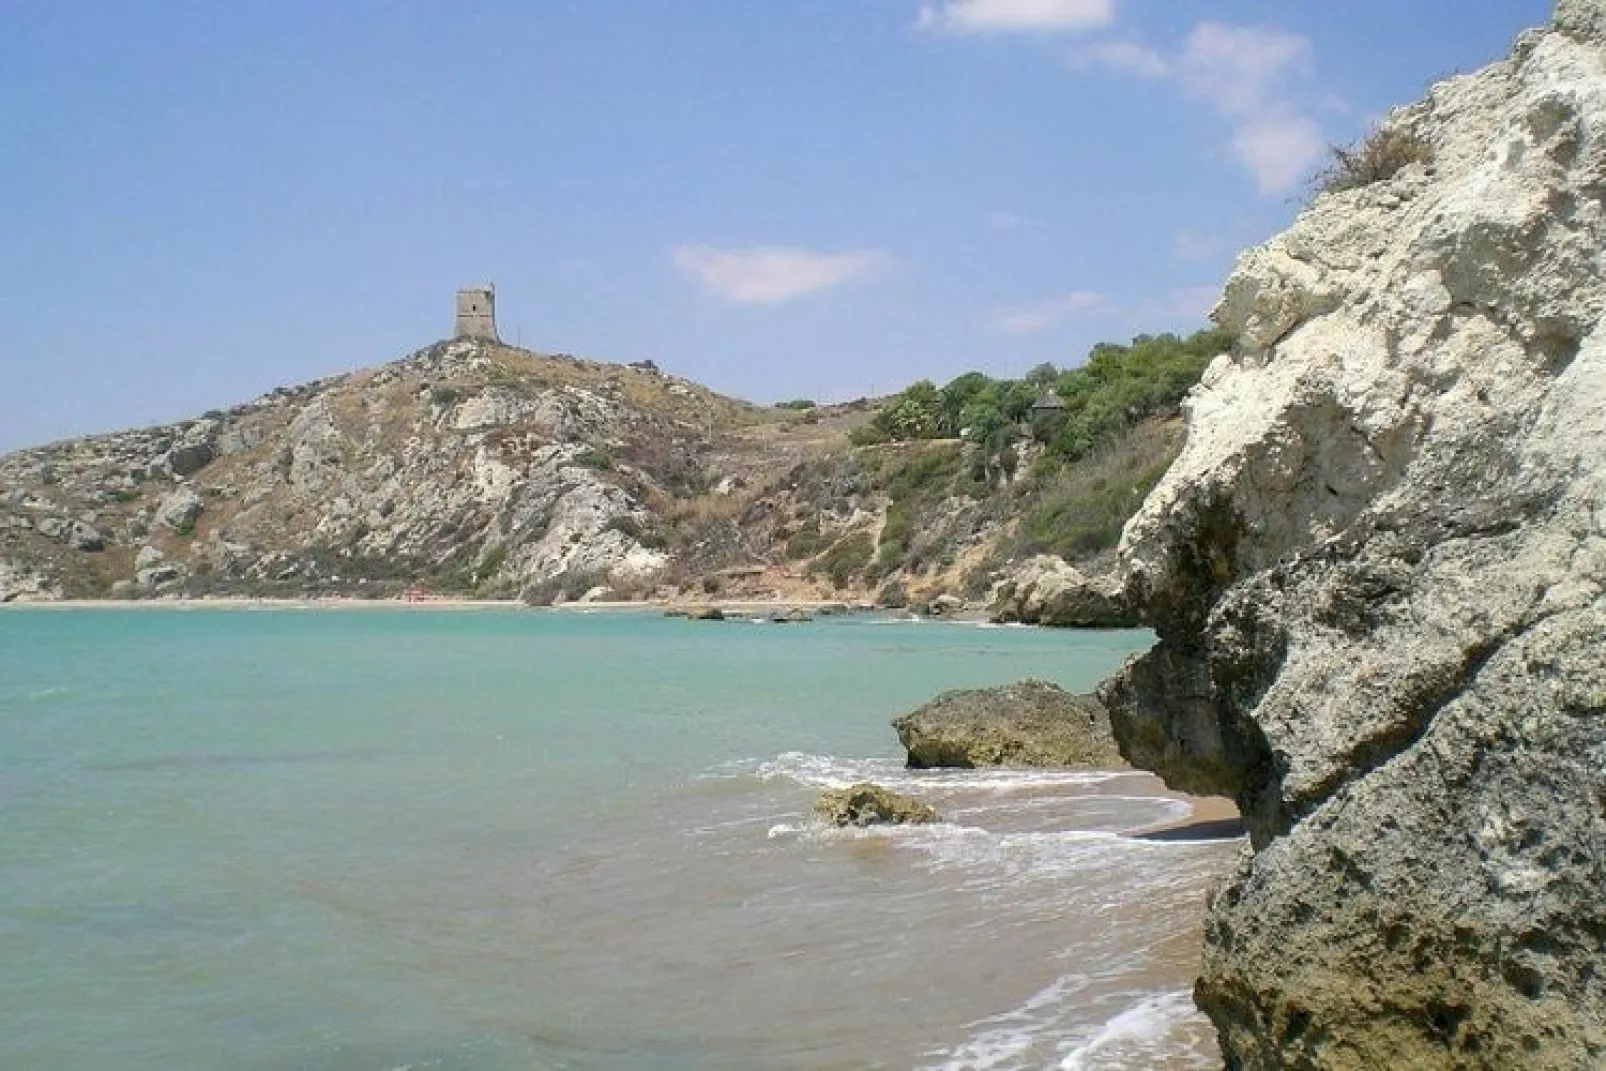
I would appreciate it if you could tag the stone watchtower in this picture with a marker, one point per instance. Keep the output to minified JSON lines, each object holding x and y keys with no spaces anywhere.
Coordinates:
{"x":476,"y":313}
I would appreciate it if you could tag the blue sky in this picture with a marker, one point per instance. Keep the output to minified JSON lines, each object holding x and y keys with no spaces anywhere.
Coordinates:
{"x":826,"y":198}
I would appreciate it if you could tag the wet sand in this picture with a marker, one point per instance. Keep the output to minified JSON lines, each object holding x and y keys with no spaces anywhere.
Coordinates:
{"x":1213,"y":818}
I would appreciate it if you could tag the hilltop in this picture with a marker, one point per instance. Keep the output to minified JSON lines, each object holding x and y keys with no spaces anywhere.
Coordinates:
{"x":475,"y":469}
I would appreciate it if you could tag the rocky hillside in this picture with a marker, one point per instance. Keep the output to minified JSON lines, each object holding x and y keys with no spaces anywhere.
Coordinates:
{"x":466,"y":466}
{"x":475,"y":469}
{"x":1377,"y":572}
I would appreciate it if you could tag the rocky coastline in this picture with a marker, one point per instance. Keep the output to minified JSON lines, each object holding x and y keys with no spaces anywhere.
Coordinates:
{"x":1377,"y":572}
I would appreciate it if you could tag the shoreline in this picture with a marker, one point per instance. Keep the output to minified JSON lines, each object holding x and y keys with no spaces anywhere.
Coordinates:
{"x":233,"y":602}
{"x":345,"y":602}
{"x":1213,"y":818}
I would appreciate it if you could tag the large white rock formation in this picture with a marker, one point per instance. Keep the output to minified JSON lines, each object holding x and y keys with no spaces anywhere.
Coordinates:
{"x":1377,"y":574}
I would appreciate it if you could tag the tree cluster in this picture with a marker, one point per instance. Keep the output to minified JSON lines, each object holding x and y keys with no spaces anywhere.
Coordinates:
{"x":1116,"y":387}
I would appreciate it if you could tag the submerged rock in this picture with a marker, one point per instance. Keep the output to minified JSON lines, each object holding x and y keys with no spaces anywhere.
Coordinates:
{"x":868,"y":804}
{"x":1048,"y":591}
{"x":1377,"y":574}
{"x":1031,"y":723}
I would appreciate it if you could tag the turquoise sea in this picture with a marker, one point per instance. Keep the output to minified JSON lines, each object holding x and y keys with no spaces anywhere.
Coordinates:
{"x":383,"y":839}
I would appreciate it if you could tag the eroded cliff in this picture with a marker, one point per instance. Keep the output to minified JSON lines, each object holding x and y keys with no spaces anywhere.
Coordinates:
{"x":1377,"y":575}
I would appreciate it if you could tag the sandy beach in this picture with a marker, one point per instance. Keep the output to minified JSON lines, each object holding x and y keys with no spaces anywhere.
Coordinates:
{"x":1213,"y":818}
{"x":241,"y":603}
{"x":735,"y":607}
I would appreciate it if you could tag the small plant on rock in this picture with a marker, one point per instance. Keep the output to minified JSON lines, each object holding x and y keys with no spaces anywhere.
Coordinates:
{"x":1380,"y":155}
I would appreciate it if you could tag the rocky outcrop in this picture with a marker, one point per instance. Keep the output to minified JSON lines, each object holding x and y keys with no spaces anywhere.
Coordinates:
{"x":1377,"y":576}
{"x":943,"y":605}
{"x":867,"y":804}
{"x":18,"y":583}
{"x":179,"y":509}
{"x":1031,"y":723}
{"x":76,"y":534}
{"x":1046,"y":590}
{"x":467,"y":467}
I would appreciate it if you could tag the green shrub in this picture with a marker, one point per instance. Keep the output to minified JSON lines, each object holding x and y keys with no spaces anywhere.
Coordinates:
{"x":846,"y":559}
{"x":564,"y":586}
{"x":1380,"y":155}
{"x":868,"y":435}
{"x":927,"y":474}
{"x":633,"y":529}
{"x":806,"y":542}
{"x":1116,"y":387}
{"x":1081,"y":508}
{"x":444,"y":396}
{"x":594,"y":458}
{"x":796,"y":403}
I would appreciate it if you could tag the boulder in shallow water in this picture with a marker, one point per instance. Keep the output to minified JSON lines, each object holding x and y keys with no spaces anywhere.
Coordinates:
{"x":1048,"y":591}
{"x":705,"y":613}
{"x":869,"y":804}
{"x":1030,"y":723}
{"x":943,"y":605}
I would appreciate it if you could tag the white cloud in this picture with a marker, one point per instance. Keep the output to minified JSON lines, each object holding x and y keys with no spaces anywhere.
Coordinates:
{"x":1279,"y":150}
{"x":1245,"y":73}
{"x":1004,"y":221}
{"x":1236,"y":68}
{"x":764,"y":275}
{"x":1040,"y":316}
{"x":1016,"y":16}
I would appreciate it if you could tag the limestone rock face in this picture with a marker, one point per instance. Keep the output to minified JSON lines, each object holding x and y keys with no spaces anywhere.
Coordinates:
{"x":18,"y":583}
{"x":1046,"y":590}
{"x":75,"y":534}
{"x":180,"y":509}
{"x":466,"y":466}
{"x":1377,"y":575}
{"x":868,"y":804}
{"x":1031,"y":723}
